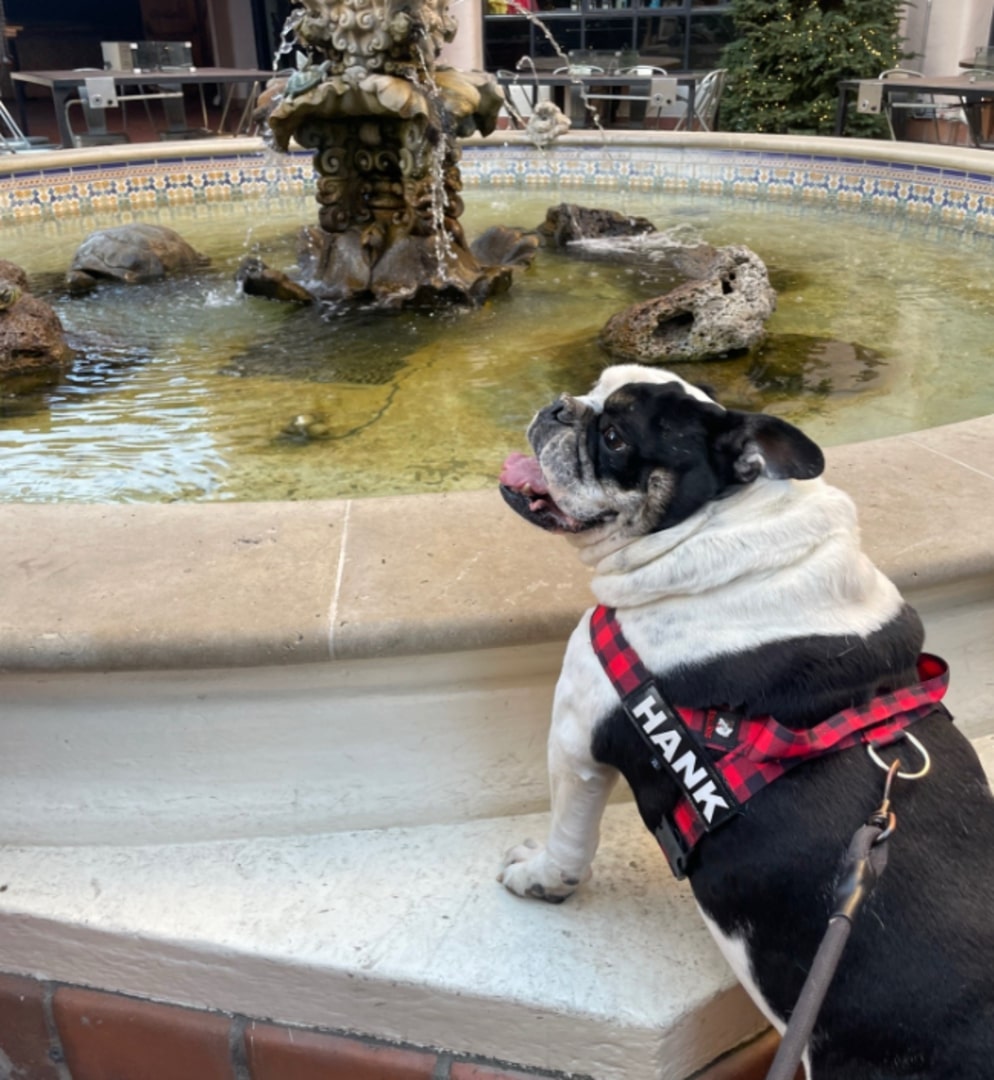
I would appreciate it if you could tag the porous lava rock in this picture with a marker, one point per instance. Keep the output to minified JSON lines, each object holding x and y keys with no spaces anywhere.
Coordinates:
{"x":31,"y":334}
{"x":133,"y":254}
{"x":723,"y":311}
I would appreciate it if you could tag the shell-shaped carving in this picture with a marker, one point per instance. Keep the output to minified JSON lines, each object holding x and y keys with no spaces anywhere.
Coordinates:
{"x":331,"y":162}
{"x":385,"y":161}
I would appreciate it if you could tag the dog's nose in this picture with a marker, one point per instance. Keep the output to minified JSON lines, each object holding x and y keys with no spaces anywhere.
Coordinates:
{"x":565,"y":410}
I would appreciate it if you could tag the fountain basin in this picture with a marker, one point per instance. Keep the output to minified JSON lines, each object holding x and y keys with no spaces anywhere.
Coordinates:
{"x":263,"y":757}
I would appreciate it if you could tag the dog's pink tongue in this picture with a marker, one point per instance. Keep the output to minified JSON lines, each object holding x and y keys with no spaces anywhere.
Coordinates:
{"x":522,"y":472}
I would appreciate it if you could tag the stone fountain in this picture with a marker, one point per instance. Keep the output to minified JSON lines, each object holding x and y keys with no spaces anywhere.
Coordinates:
{"x":382,"y":117}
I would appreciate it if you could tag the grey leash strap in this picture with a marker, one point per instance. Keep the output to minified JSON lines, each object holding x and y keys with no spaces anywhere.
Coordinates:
{"x":865,"y":862}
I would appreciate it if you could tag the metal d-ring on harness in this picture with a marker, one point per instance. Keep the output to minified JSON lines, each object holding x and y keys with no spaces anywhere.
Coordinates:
{"x":865,"y":862}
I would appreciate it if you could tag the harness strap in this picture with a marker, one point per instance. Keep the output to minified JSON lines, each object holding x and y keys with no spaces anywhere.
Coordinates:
{"x":737,"y":756}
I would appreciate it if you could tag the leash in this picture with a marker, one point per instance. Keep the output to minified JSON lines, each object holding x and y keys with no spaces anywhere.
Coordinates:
{"x":866,"y":860}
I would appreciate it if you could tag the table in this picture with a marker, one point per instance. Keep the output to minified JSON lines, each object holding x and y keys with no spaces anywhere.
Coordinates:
{"x":971,"y":91}
{"x":65,"y":84}
{"x":581,"y":84}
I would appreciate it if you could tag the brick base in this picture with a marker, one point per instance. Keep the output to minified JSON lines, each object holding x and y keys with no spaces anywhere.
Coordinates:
{"x":55,"y":1032}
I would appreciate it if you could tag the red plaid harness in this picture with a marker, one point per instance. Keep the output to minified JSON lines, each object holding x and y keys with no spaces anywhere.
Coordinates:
{"x":749,"y":752}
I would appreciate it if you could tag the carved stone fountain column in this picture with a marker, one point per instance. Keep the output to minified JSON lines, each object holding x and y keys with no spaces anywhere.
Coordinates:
{"x":382,"y":120}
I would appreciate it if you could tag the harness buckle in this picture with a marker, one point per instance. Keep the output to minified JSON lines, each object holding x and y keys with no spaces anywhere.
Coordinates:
{"x":673,"y":848}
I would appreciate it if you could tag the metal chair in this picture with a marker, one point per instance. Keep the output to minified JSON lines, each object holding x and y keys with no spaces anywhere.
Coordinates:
{"x":579,"y":69}
{"x":662,"y":93}
{"x":521,"y":97}
{"x":97,"y":133}
{"x":14,"y":141}
{"x":707,"y":97}
{"x":578,"y":97}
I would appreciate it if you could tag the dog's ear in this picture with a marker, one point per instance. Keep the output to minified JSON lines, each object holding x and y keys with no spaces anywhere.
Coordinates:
{"x":755,"y":444}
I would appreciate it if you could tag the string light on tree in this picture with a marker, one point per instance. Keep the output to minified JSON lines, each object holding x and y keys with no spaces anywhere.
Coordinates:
{"x":785,"y":66}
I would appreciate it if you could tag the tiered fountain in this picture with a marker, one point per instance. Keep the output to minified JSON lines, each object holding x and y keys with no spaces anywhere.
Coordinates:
{"x":382,"y":118}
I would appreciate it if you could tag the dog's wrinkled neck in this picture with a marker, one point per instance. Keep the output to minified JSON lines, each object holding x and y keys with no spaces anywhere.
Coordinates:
{"x":764,"y":528}
{"x":607,"y":545}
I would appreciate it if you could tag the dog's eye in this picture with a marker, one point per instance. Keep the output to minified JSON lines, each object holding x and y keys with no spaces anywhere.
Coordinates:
{"x":612,"y":440}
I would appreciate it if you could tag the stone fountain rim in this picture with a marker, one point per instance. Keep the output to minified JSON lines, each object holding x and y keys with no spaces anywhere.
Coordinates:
{"x":227,"y":585}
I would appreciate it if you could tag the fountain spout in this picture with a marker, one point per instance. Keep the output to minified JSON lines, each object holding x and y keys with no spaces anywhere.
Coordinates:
{"x":382,"y":118}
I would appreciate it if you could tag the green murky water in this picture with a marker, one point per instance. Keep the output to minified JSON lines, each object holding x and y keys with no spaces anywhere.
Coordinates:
{"x":188,"y":391}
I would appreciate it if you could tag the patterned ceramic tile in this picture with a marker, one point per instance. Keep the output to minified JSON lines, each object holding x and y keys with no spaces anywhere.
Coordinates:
{"x":955,"y":197}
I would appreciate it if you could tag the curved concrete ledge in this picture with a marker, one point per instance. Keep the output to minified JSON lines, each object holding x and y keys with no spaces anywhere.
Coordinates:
{"x":155,"y":587}
{"x":934,"y":154}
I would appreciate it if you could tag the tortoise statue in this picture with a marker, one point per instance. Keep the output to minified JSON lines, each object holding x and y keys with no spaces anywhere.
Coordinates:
{"x":133,"y":254}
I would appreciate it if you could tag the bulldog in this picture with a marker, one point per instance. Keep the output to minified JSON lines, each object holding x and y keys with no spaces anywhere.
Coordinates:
{"x":732,"y":574}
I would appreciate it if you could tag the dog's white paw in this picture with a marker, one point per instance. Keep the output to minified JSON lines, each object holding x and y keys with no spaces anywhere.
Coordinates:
{"x":528,"y":871}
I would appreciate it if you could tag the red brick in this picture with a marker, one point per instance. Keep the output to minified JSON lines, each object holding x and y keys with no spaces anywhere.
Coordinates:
{"x":24,"y":1035}
{"x":278,"y":1053}
{"x":463,"y":1070}
{"x":751,"y":1062}
{"x":107,"y":1037}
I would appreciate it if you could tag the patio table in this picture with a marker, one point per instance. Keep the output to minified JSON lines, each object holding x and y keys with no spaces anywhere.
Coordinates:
{"x":63,"y":85}
{"x":577,"y":85}
{"x":971,"y":91}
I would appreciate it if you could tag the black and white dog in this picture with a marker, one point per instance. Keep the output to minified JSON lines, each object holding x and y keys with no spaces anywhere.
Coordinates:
{"x":737,"y":577}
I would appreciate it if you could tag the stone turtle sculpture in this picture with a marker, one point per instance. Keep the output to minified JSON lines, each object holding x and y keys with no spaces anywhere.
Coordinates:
{"x":132,"y":254}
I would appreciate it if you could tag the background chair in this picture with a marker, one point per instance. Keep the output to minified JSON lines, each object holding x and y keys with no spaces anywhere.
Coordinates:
{"x":14,"y":141}
{"x":522,"y":93}
{"x":578,"y":95}
{"x":620,"y":100}
{"x":97,"y":133}
{"x":707,"y":98}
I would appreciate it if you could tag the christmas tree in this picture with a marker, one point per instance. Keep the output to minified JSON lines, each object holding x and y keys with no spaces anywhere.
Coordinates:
{"x":785,"y":66}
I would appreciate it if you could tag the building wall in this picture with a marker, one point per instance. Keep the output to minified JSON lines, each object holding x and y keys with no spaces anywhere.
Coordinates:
{"x":232,"y":33}
{"x":946,"y":31}
{"x":466,"y":51}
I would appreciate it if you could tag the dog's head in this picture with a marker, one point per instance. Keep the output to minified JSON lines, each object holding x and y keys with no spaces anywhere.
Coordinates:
{"x":643,"y":451}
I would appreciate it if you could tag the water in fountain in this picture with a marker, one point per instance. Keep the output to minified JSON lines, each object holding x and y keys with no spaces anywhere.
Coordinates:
{"x":185,"y":390}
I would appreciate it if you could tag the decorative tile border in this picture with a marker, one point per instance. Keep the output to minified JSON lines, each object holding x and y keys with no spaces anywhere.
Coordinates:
{"x":948,"y":196}
{"x":945,"y":196}
{"x":50,"y":194}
